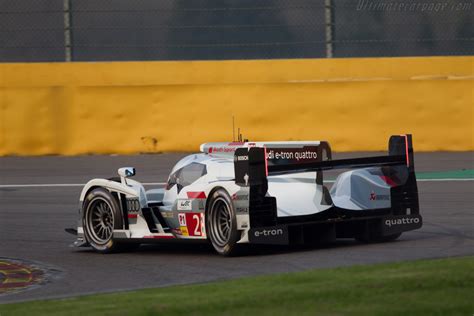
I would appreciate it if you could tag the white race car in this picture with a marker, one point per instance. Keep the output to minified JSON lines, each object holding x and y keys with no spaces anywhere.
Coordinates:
{"x":258,"y":193}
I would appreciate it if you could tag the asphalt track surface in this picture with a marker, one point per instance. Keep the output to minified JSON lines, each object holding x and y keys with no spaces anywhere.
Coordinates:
{"x":32,"y":222}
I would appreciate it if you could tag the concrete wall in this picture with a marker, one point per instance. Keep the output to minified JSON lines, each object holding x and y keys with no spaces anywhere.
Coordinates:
{"x":131,"y":107}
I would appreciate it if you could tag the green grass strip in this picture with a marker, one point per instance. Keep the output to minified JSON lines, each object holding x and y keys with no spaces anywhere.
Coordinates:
{"x":455,"y":174}
{"x":426,"y":287}
{"x":439,"y":175}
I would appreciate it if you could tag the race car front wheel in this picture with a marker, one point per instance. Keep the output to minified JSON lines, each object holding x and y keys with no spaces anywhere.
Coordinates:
{"x":221,"y":223}
{"x":101,"y":216}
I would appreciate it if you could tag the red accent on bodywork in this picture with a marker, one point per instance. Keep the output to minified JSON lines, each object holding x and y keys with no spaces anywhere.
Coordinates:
{"x":196,"y":195}
{"x":406,"y":150}
{"x":266,"y":161}
{"x":388,"y":181}
{"x":373,"y":196}
{"x":132,"y":215}
{"x":194,"y":224}
{"x":160,"y":237}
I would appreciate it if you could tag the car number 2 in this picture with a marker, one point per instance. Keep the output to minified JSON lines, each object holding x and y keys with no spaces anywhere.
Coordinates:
{"x":194,"y":223}
{"x":197,"y":222}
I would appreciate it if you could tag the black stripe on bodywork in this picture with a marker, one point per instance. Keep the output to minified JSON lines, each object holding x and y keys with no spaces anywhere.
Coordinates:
{"x":123,"y":204}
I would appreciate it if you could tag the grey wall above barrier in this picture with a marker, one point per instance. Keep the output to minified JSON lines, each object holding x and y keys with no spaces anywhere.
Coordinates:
{"x":109,"y":30}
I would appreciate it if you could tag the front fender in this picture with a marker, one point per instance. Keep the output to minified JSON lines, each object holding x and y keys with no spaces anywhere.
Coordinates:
{"x":111,"y":186}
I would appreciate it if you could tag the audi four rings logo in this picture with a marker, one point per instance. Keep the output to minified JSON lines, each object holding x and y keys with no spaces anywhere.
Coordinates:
{"x":268,"y":232}
{"x":402,"y":221}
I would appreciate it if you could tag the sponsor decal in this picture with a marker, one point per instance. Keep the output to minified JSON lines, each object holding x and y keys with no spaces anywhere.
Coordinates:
{"x":268,"y":232}
{"x":192,"y":224}
{"x":402,"y":221}
{"x":133,"y":205}
{"x":185,"y":205}
{"x":378,"y":197}
{"x":277,"y":235}
{"x":241,"y":158}
{"x":184,"y":231}
{"x":182,"y":219}
{"x":242,"y":209}
{"x":295,"y":154}
{"x":372,"y":197}
{"x":223,"y":149}
{"x":236,"y":197}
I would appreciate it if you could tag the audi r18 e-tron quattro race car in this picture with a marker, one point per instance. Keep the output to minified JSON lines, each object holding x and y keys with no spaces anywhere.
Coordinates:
{"x":258,"y":193}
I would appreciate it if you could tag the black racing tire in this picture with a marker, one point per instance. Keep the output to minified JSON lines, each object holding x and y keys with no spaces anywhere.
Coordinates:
{"x":221,"y":223}
{"x":101,"y":215}
{"x":375,"y":238}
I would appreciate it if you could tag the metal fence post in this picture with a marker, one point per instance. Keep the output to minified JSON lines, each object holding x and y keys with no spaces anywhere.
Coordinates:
{"x":67,"y":30}
{"x":329,"y":28}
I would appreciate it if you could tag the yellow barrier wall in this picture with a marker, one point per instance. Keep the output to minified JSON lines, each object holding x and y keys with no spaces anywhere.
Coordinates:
{"x":130,"y":107}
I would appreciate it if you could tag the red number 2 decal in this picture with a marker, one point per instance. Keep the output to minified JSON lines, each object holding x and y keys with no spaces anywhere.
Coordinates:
{"x":195,"y":224}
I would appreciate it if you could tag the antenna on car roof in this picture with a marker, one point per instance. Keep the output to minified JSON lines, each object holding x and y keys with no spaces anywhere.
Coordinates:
{"x":240,"y":138}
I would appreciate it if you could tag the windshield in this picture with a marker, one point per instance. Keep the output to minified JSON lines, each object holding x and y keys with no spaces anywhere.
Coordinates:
{"x":186,"y":175}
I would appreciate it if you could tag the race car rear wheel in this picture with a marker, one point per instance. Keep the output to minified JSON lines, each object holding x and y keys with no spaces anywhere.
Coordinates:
{"x":221,"y":223}
{"x":101,"y":217}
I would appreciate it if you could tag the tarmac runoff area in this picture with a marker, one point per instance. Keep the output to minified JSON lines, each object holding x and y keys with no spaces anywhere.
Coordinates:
{"x":39,"y":198}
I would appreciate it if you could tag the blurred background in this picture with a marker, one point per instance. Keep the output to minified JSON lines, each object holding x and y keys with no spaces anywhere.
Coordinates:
{"x":74,"y":72}
{"x":123,"y":30}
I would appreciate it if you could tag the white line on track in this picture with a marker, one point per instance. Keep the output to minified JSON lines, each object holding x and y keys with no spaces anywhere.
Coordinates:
{"x":444,"y":180}
{"x":52,"y":185}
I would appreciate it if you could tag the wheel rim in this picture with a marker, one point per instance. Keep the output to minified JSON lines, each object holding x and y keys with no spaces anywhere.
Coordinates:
{"x":221,"y":222}
{"x":100,"y":221}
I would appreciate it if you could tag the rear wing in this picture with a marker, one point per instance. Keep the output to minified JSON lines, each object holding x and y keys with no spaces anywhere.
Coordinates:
{"x":253,"y":166}
{"x":256,"y":162}
{"x":400,"y":151}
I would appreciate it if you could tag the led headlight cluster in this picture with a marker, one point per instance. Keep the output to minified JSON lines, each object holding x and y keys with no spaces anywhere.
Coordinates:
{"x":133,"y":205}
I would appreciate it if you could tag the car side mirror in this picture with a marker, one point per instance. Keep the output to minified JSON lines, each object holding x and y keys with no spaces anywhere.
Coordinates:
{"x":126,"y":172}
